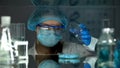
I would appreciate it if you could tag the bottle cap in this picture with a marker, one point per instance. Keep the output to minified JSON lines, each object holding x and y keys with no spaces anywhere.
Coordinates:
{"x":108,"y":30}
{"x":5,"y":21}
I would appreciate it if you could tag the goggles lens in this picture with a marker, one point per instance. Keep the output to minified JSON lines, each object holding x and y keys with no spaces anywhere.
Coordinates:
{"x":51,"y":26}
{"x":57,"y":29}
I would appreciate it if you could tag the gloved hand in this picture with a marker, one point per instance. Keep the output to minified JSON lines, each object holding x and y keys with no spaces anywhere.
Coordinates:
{"x":82,"y":33}
{"x":86,"y":65}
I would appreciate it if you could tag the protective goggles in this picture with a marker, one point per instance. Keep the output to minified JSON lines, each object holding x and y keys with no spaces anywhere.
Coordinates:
{"x":51,"y":27}
{"x":56,"y":29}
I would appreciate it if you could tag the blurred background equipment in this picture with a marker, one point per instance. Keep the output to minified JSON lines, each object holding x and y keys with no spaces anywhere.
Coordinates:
{"x":18,"y":31}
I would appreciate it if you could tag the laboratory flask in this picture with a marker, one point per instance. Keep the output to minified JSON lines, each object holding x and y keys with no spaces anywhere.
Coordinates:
{"x":105,"y":49}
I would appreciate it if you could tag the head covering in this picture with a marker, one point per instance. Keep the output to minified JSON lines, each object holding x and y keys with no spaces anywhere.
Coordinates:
{"x":43,"y":14}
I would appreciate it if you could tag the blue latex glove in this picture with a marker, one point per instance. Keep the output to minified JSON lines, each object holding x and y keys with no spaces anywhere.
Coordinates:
{"x":86,"y":65}
{"x":82,"y":33}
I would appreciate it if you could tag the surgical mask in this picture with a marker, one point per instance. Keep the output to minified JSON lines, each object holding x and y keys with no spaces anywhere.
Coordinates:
{"x":48,"y":38}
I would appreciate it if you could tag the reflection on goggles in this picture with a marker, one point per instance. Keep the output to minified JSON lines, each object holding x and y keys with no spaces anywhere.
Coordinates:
{"x":50,"y":27}
{"x":56,"y":29}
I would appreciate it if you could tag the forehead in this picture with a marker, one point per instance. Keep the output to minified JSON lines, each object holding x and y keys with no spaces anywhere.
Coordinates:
{"x":51,"y":22}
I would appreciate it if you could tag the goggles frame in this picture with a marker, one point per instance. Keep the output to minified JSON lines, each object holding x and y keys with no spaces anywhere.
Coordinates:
{"x":58,"y":29}
{"x":49,"y":27}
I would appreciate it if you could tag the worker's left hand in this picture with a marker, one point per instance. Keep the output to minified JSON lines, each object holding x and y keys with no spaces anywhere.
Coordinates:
{"x":83,"y":33}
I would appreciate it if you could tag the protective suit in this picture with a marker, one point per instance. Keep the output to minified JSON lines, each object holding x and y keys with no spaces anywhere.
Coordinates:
{"x":86,"y":50}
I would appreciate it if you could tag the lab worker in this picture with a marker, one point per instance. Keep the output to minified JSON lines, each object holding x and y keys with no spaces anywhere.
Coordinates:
{"x":49,"y":24}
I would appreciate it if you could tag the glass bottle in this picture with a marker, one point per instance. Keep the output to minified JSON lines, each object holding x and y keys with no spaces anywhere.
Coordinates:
{"x":6,"y":56}
{"x":105,"y":49}
{"x":117,"y":54}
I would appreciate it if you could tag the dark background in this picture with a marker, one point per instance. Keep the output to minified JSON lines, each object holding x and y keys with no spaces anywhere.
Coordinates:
{"x":89,"y":12}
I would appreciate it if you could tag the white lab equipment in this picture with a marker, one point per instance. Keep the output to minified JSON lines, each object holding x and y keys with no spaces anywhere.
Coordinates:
{"x":13,"y":53}
{"x":6,"y":45}
{"x":21,"y":50}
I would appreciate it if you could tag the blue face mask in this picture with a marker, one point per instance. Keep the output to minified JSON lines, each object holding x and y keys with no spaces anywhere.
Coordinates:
{"x":48,"y":38}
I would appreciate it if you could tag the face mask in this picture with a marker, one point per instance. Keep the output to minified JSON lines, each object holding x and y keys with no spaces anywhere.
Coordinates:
{"x":48,"y":38}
